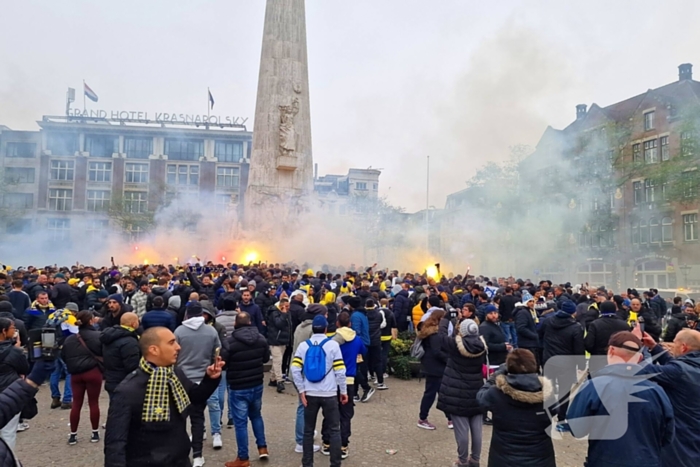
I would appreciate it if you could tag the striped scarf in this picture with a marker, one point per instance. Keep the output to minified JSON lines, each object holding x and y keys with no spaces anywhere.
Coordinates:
{"x":162,"y":382}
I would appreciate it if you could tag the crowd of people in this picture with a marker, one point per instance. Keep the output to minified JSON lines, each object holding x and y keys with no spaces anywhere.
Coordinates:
{"x":170,"y":342}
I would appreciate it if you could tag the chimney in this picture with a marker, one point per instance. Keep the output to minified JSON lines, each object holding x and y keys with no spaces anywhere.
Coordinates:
{"x":580,"y":111}
{"x":685,"y":71}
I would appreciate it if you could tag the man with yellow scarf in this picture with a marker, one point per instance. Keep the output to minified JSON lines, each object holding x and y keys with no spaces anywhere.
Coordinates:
{"x":147,"y":421}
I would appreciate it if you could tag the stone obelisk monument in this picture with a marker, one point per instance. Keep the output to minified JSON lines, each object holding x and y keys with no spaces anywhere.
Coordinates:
{"x":281,"y":167}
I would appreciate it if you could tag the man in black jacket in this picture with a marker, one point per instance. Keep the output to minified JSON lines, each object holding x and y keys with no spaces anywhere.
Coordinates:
{"x":374,"y":352}
{"x":279,"y":336}
{"x":297,"y":308}
{"x":120,"y":351}
{"x":62,"y":293}
{"x":247,"y":353}
{"x":562,"y":337}
{"x":599,"y":333}
{"x":495,"y":339}
{"x":402,"y":307}
{"x":147,"y":430}
{"x":526,"y":326}
{"x":506,"y":308}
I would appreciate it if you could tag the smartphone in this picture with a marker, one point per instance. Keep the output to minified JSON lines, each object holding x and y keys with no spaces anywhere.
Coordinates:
{"x":217,"y":352}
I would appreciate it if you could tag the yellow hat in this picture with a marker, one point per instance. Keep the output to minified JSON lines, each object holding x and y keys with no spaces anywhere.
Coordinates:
{"x":73,"y":281}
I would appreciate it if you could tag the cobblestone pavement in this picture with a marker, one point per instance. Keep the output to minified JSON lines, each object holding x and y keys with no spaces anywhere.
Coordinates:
{"x":387,"y":421}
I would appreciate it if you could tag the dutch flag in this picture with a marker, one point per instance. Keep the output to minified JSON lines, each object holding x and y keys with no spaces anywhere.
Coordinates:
{"x":89,"y":93}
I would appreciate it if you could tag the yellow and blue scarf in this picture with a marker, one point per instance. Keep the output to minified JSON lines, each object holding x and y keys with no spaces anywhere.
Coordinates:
{"x":162,"y":382}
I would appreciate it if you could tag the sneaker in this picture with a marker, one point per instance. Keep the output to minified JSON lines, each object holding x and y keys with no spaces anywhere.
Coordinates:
{"x":373,"y":379}
{"x":262,"y":453}
{"x":216,"y":441}
{"x":198,"y":461}
{"x":66,"y":406}
{"x":229,"y":424}
{"x":563,"y":428}
{"x":22,"y":426}
{"x":382,"y":387}
{"x":326,"y":449}
{"x":238,"y":463}
{"x":55,"y":402}
{"x":95,"y":438}
{"x":272,"y":384}
{"x":386,"y":375}
{"x":280,"y":387}
{"x":286,"y":379}
{"x":367,"y":395}
{"x":344,"y":453}
{"x":425,"y":424}
{"x":356,"y":398}
{"x":487,"y":420}
{"x":73,"y":439}
{"x":300,"y":449}
{"x":450,"y":426}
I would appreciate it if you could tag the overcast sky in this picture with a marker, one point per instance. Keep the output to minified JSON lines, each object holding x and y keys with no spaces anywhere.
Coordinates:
{"x":391,"y":81}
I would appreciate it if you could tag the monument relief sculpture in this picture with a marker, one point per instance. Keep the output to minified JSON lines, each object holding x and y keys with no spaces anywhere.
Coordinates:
{"x":287,"y":133}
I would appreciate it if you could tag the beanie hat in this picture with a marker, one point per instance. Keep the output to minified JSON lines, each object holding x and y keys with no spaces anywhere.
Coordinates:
{"x":607,"y":308}
{"x":355,"y":302}
{"x":102,"y":293}
{"x":6,"y":307}
{"x":468,"y":328}
{"x":193,"y":309}
{"x":319,"y":321}
{"x":175,"y":302}
{"x":72,"y":307}
{"x":60,"y":275}
{"x":228,"y":303}
{"x":526,"y":297}
{"x":568,"y":306}
{"x":434,"y":300}
{"x":117,"y":297}
{"x":316,"y":309}
{"x":252,"y":282}
{"x":490,"y":308}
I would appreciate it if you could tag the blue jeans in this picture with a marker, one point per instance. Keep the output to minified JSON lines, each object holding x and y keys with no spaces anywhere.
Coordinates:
{"x":511,"y":335}
{"x":247,"y":403}
{"x":215,"y":403}
{"x":299,"y":427}
{"x":55,"y":378}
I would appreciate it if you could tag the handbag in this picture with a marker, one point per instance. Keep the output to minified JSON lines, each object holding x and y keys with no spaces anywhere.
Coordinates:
{"x":100,"y":361}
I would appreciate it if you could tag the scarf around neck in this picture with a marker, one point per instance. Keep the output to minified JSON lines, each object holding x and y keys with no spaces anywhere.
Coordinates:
{"x":162,"y":382}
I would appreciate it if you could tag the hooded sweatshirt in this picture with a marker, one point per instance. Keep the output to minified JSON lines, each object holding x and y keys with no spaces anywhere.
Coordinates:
{"x":335,"y":378}
{"x":198,"y":343}
{"x":351,"y":347}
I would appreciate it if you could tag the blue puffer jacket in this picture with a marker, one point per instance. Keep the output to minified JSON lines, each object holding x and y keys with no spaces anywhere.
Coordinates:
{"x":680,"y":379}
{"x":628,"y":419}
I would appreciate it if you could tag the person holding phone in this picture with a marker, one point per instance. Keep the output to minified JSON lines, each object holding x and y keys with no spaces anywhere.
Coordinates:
{"x":13,"y":364}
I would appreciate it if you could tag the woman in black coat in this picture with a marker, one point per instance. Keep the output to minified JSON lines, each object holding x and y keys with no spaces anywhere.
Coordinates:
{"x":460,"y":385}
{"x":13,"y":364}
{"x":515,"y":396}
{"x":82,"y":353}
{"x":432,"y":364}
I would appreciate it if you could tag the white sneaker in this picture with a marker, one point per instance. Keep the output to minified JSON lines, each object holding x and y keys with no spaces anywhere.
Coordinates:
{"x":300,"y":449}
{"x":24,"y":426}
{"x":198,"y":462}
{"x":217,"y":442}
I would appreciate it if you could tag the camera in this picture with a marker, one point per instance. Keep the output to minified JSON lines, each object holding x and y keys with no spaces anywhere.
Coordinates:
{"x":43,"y":344}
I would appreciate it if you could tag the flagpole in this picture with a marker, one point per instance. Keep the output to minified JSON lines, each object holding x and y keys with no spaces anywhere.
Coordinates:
{"x":84,"y":104}
{"x":208,"y":104}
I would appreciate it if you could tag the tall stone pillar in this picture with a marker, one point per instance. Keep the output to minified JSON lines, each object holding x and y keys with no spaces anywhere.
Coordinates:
{"x":281,"y":167}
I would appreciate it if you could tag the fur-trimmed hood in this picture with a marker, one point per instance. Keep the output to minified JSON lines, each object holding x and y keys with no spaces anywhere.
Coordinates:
{"x":425,"y":331}
{"x":525,"y":388}
{"x":470,"y":347}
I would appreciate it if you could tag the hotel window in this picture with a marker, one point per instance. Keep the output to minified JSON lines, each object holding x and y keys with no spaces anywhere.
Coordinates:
{"x":665,"y":154}
{"x":135,"y":232}
{"x":687,"y":143}
{"x":649,"y":121}
{"x":654,"y":230}
{"x":21,"y":149}
{"x":360,"y":185}
{"x":184,"y":150}
{"x":635,"y":232}
{"x":62,"y":170}
{"x":97,"y":228}
{"x":135,"y":202}
{"x":136,"y":173}
{"x":227,"y":177}
{"x":98,"y":200}
{"x":689,"y":182}
{"x":138,"y":148}
{"x":16,"y":175}
{"x":62,"y":144}
{"x":228,"y":151}
{"x":637,"y":152}
{"x":643,"y":232}
{"x":100,"y":171}
{"x":667,"y":230}
{"x":101,"y":146}
{"x":650,"y":155}
{"x":182,"y":175}
{"x":375,"y":186}
{"x":60,"y":199}
{"x":18,"y":200}
{"x":690,"y":227}
{"x":638,"y":192}
{"x":59,"y":229}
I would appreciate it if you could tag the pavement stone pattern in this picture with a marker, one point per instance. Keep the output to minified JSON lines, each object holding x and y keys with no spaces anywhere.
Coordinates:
{"x":386,"y":422}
